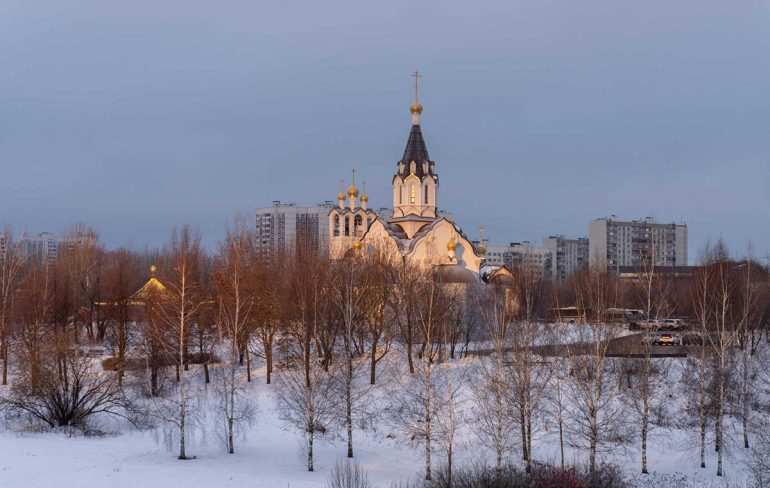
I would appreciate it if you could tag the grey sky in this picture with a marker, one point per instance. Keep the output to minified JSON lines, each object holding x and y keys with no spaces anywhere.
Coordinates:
{"x":541,"y":115}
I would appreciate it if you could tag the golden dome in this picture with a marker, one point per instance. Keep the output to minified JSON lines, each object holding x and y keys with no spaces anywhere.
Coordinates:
{"x":451,"y":245}
{"x":415,"y":108}
{"x":353,"y":191}
{"x":481,"y":248}
{"x":340,"y":196}
{"x":357,"y":245}
{"x":364,"y":198}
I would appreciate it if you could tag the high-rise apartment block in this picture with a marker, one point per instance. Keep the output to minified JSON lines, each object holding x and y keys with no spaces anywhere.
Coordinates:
{"x":568,"y":255}
{"x":44,"y":246}
{"x":614,"y":243}
{"x":515,"y":255}
{"x":285,"y":227}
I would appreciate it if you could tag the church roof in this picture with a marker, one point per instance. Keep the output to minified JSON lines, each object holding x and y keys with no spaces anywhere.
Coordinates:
{"x":416,"y":150}
{"x":152,"y":286}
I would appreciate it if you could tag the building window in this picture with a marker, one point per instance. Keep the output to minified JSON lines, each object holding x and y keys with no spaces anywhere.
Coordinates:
{"x":347,"y":226}
{"x":413,"y":191}
{"x":336,"y":225}
{"x":400,"y":195}
{"x":426,"y":194}
{"x":357,"y":223}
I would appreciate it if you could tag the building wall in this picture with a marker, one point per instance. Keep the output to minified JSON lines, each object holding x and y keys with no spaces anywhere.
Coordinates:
{"x":614,"y":243}
{"x":285,"y":227}
{"x":568,"y":255}
{"x":43,"y":246}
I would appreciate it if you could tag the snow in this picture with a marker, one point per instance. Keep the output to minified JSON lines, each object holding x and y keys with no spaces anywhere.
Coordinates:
{"x":269,"y":455}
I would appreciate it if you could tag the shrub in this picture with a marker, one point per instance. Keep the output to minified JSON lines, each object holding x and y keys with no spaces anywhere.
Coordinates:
{"x":348,"y":474}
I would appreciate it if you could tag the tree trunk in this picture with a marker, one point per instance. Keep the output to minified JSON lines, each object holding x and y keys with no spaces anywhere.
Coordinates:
{"x":594,"y":441}
{"x":269,"y":359}
{"x":702,"y":407}
{"x":720,"y":414}
{"x":409,"y":356}
{"x":745,"y":397}
{"x":449,"y":466}
{"x":349,"y":403}
{"x":248,"y":366}
{"x":230,"y":445}
{"x":121,"y":351}
{"x":561,"y":440}
{"x":523,"y":425}
{"x":310,"y":449}
{"x":5,"y":356}
{"x":529,"y":438}
{"x":373,"y":364}
{"x":644,"y":438}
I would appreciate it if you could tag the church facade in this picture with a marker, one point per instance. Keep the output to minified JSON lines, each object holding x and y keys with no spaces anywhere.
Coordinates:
{"x":414,"y":231}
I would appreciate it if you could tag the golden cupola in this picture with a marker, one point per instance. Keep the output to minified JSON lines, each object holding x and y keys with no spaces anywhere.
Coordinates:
{"x":364,"y":196}
{"x":416,"y":107}
{"x":481,"y":248}
{"x":353,"y":190}
{"x":341,"y":194}
{"x":452,"y":244}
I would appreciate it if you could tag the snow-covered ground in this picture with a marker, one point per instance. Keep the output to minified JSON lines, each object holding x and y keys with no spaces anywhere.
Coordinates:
{"x":271,"y":456}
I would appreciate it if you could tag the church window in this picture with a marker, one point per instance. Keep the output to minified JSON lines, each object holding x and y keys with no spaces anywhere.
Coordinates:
{"x":400,"y":195}
{"x":336,"y":225}
{"x":347,"y":226}
{"x":426,"y":195}
{"x":357,"y":223}
{"x":413,"y":191}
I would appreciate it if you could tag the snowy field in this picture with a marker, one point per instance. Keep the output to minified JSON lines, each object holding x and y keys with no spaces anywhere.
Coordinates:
{"x":269,"y":454}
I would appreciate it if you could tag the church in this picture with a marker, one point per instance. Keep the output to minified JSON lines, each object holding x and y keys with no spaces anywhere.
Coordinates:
{"x":414,"y":231}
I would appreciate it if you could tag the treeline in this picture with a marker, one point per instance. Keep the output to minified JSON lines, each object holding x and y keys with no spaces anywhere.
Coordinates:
{"x":171,"y":318}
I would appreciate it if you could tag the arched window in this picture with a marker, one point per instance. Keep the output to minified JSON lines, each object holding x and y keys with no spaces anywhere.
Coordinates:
{"x":347,"y":226}
{"x":400,"y":194}
{"x":336,"y":225}
{"x":357,"y":223}
{"x":426,"y":194}
{"x":412,"y":191}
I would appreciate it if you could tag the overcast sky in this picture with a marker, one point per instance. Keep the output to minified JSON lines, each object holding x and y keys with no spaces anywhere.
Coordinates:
{"x":541,"y":115}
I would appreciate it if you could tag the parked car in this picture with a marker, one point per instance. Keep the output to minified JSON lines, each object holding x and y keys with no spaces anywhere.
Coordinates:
{"x":663,"y":338}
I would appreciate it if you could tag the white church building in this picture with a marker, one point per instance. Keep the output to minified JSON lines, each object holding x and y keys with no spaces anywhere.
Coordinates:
{"x":415,"y":231}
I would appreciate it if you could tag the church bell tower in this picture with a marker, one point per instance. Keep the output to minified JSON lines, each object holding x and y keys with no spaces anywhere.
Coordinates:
{"x":415,"y":184}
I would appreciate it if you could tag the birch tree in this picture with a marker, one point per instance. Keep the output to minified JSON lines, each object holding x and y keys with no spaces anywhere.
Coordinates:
{"x":12,"y":259}
{"x":234,"y":307}
{"x":180,"y":306}
{"x":493,"y":419}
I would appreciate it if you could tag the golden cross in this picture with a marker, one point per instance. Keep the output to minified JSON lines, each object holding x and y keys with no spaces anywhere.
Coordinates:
{"x":417,"y":77}
{"x":354,"y":176}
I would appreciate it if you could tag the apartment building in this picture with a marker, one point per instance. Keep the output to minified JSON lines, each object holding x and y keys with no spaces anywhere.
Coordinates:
{"x":614,"y":243}
{"x":568,"y":255}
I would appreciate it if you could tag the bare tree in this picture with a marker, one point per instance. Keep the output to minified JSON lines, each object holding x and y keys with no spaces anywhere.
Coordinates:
{"x":702,"y":301}
{"x":529,"y":374}
{"x":404,"y":305}
{"x":12,"y":259}
{"x":35,"y":302}
{"x":120,"y":287}
{"x":234,"y":307}
{"x":69,"y":389}
{"x":418,"y":402}
{"x":179,"y":309}
{"x":493,"y":419}
{"x":652,"y":293}
{"x":595,"y":416}
{"x":350,"y":290}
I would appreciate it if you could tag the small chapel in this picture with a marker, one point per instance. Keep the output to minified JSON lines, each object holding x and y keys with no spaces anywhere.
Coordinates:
{"x":415,"y":230}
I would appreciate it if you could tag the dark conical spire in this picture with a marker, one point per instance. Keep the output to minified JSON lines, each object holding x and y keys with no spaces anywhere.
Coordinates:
{"x":416,"y":160}
{"x":415,"y":148}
